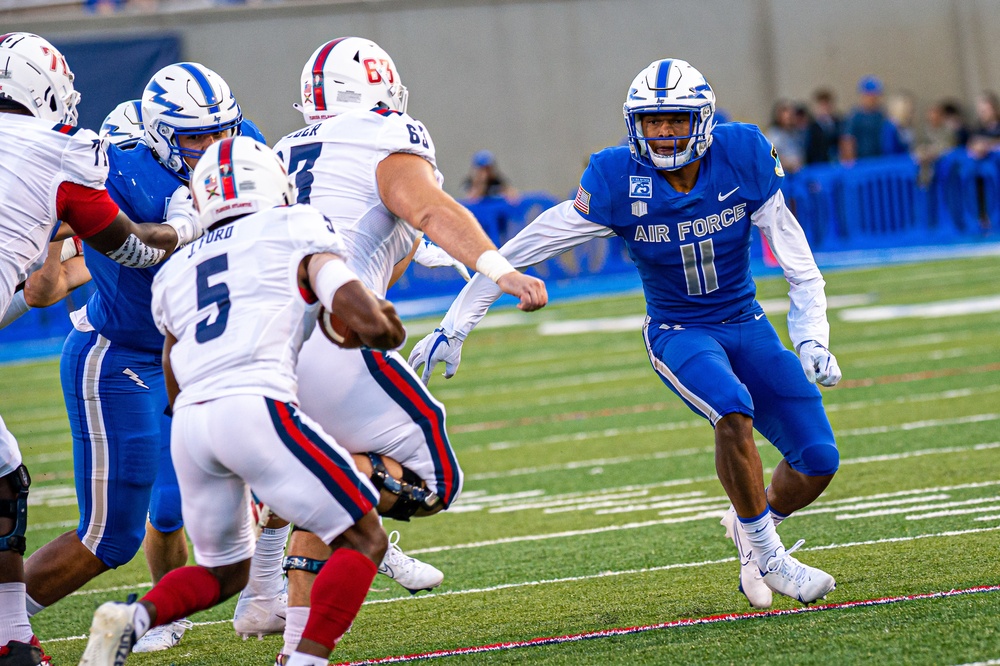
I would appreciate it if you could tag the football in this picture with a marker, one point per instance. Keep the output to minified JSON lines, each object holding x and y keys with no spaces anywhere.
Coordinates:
{"x":336,"y":331}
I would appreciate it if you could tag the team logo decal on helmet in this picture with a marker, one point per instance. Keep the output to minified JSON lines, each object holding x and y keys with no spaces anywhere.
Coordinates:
{"x":35,"y":75}
{"x":239,"y":176}
{"x":348,"y":74}
{"x":670,"y":86}
{"x":186,"y":99}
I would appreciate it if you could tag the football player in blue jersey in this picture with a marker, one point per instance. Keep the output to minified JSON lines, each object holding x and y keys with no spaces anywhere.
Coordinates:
{"x":111,"y":371}
{"x":683,"y":196}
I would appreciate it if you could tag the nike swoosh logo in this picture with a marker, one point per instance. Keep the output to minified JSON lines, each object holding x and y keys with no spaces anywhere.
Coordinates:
{"x":723,"y":197}
{"x":758,"y":316}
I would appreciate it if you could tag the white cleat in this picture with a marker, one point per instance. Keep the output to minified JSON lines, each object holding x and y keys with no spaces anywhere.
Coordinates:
{"x":751,"y":581}
{"x":260,"y":616}
{"x":408,"y":571}
{"x":788,"y":576}
{"x":162,"y":637}
{"x":112,"y":635}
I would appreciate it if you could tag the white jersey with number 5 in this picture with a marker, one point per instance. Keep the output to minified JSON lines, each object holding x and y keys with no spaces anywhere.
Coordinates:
{"x":333,"y":166}
{"x":232,"y":301}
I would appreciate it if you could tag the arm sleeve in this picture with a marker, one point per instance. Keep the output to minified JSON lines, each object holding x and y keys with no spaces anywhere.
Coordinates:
{"x":807,"y":313}
{"x":87,"y":210}
{"x":557,"y":230}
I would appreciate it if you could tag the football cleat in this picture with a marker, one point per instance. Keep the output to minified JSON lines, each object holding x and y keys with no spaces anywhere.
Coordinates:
{"x":162,"y":637}
{"x":112,"y":635}
{"x":16,"y":653}
{"x":260,"y":616}
{"x":408,"y":571}
{"x":788,"y":576}
{"x":751,"y":580}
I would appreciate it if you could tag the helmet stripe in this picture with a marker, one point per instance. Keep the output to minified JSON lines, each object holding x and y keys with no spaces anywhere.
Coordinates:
{"x":206,"y":86}
{"x":662,"y":77}
{"x":226,"y":173}
{"x":319,"y":99}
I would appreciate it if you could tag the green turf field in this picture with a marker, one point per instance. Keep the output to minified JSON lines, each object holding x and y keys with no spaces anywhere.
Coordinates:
{"x":591,"y":501}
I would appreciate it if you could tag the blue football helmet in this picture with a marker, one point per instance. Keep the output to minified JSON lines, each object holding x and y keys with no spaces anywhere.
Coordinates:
{"x":670,"y":86}
{"x":123,"y":126}
{"x":186,"y":99}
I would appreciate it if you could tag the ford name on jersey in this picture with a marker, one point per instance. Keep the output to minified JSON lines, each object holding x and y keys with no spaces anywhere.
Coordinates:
{"x":660,"y":233}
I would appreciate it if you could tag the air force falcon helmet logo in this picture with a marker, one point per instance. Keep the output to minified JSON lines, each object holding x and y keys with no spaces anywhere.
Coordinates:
{"x":640,"y":187}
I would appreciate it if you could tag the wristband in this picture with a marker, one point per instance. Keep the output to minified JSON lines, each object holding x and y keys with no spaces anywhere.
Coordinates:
{"x":493,"y":265}
{"x":333,"y":275}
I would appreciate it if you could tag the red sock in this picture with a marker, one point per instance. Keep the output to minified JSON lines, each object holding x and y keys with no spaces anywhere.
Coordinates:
{"x":337,"y":595}
{"x":182,"y":592}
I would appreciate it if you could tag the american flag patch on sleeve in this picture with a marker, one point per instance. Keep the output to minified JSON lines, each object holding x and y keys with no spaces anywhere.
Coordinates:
{"x":582,"y":202}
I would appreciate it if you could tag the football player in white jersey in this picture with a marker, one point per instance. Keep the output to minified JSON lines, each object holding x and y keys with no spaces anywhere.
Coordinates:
{"x":371,"y":169}
{"x":683,"y":197}
{"x":64,"y":268}
{"x":235,"y":308}
{"x":51,"y":172}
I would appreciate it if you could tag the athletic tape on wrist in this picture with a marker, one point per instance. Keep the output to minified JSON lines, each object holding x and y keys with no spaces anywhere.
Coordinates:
{"x":333,"y":275}
{"x":493,"y":265}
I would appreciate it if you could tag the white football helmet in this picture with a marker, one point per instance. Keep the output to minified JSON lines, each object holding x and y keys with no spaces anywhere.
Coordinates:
{"x":186,"y":99}
{"x":123,"y":126}
{"x":34,"y":74}
{"x":238,"y":176}
{"x":670,"y":86}
{"x":347,"y":74}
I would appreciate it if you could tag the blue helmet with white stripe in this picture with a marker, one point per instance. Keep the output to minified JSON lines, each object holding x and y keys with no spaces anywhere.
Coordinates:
{"x":186,"y":99}
{"x":670,"y":86}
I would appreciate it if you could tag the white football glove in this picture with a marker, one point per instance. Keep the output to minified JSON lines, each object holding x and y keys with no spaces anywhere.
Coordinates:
{"x":431,"y":256}
{"x":819,"y":364}
{"x":71,"y":247}
{"x":436,"y":348}
{"x":182,"y":216}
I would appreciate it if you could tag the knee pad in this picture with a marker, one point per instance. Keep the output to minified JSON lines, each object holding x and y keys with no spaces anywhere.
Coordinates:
{"x":820,"y":460}
{"x":411,"y":493}
{"x":16,"y":509}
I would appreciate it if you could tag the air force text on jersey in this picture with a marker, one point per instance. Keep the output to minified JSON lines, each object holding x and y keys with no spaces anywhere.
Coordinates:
{"x":703,"y":226}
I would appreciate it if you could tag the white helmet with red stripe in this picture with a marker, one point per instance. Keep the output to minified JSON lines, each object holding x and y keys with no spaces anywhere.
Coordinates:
{"x":238,"y":176}
{"x":347,"y":74}
{"x":34,"y":74}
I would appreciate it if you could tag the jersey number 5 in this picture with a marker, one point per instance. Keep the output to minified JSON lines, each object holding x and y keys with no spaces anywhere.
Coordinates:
{"x":209,"y":294}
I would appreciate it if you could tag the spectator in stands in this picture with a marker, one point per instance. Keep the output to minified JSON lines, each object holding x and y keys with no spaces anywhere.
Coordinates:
{"x":943,"y":130}
{"x":898,"y":135}
{"x":985,"y":134}
{"x":824,"y":129}
{"x":787,"y":136}
{"x":103,"y":6}
{"x":865,"y":126}
{"x":485,"y":180}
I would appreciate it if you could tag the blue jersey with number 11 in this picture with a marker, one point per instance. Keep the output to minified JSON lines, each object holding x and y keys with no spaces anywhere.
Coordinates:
{"x":692,"y":250}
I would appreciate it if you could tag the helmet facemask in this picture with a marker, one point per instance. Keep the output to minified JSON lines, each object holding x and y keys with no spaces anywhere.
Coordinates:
{"x":670,"y":86}
{"x":186,"y":99}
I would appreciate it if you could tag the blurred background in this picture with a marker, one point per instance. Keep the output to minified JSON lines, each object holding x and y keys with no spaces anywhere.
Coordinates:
{"x":884,"y":112}
{"x":539,"y":82}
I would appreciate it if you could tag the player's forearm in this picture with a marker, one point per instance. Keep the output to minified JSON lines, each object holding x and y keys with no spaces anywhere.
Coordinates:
{"x":51,"y":284}
{"x":470,"y":306}
{"x":807,"y":318}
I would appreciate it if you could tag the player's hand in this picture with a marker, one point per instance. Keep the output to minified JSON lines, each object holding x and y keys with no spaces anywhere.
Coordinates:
{"x":432,"y":256}
{"x":182,"y":216}
{"x":819,"y":364}
{"x":436,"y":347}
{"x":71,"y":247}
{"x":529,"y":289}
